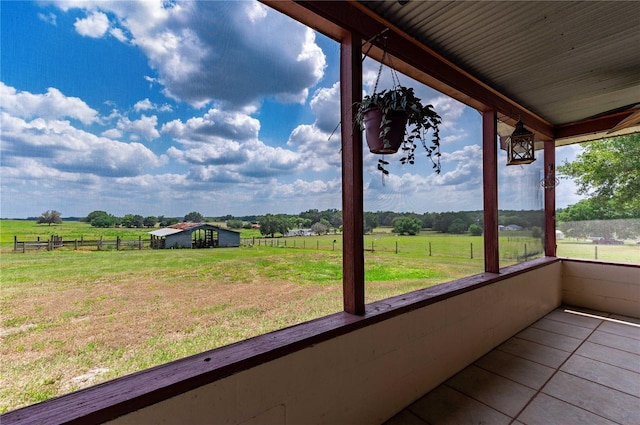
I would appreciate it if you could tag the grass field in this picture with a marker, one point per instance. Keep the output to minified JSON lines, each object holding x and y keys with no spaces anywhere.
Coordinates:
{"x":75,"y":318}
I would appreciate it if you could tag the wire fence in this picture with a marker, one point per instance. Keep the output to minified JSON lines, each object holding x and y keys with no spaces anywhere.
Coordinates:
{"x":464,"y":247}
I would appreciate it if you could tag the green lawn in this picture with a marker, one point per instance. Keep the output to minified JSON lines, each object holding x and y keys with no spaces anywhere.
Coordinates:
{"x":627,"y":253}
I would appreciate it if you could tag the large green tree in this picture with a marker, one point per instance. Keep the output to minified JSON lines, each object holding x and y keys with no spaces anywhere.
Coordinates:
{"x":271,"y":224}
{"x":194,"y":217}
{"x":50,"y":217}
{"x":407,"y":226}
{"x":608,"y":170}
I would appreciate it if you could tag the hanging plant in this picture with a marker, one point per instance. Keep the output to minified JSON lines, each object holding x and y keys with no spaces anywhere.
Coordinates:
{"x":397,"y":120}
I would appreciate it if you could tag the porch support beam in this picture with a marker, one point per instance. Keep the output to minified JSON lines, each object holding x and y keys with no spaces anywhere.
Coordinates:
{"x":490,"y":180}
{"x":352,"y":179}
{"x":550,"y":199}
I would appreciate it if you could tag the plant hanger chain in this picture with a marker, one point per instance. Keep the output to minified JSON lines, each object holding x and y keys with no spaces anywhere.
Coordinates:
{"x":394,"y":75}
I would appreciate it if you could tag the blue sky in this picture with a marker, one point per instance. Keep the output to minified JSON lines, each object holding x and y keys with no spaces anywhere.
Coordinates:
{"x":162,"y":108}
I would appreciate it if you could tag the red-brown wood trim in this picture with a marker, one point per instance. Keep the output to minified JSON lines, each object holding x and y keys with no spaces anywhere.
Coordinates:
{"x":596,"y":125}
{"x":352,"y":178}
{"x":490,"y":190}
{"x":127,"y":394}
{"x":550,"y":200}
{"x":302,"y":14}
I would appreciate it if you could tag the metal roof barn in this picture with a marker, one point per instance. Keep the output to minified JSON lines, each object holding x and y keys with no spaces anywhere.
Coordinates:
{"x":194,"y":235}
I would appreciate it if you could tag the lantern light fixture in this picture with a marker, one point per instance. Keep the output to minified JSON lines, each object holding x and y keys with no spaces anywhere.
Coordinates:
{"x":520,"y":146}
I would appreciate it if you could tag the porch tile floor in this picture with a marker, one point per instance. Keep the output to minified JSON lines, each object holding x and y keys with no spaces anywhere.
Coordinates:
{"x":573,"y":366}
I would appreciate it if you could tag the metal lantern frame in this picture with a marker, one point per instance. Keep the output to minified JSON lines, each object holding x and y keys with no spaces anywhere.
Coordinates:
{"x":520,"y":146}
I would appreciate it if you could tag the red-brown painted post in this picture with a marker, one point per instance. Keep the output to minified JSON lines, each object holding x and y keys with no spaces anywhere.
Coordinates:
{"x":490,"y":185}
{"x":550,"y":199}
{"x":352,"y":180}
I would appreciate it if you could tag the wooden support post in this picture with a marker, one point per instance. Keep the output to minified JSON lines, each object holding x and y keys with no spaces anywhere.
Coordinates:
{"x":352,"y":180}
{"x":490,"y":184}
{"x":550,"y":199}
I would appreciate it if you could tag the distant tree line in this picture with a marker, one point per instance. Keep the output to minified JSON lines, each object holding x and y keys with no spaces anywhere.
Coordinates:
{"x":324,"y":222}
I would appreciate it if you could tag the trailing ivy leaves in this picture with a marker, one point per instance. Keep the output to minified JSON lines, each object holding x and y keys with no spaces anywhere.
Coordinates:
{"x":381,"y":166}
{"x":420,"y":119}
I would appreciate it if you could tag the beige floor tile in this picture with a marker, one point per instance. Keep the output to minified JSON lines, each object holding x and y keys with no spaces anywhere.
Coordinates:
{"x":551,"y":339}
{"x":595,"y":398}
{"x":561,"y":328}
{"x":500,"y":393}
{"x":523,"y":371}
{"x":612,"y":356}
{"x":545,"y":410}
{"x":446,"y":406}
{"x":565,"y":316}
{"x":634,"y":320}
{"x":538,"y":353}
{"x":622,"y":329}
{"x":616,"y":341}
{"x":602,"y":373}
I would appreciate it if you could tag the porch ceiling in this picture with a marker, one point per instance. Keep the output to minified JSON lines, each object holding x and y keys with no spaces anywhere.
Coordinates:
{"x":571,"y":69}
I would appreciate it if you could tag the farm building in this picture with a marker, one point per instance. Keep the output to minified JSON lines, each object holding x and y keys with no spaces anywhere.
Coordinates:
{"x":194,"y":235}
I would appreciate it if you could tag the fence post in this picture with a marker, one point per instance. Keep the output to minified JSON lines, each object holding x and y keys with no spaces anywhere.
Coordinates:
{"x":75,"y":244}
{"x":100,"y":243}
{"x":15,"y":243}
{"x":525,"y":251}
{"x":472,"y":250}
{"x":429,"y":249}
{"x":333,"y":246}
{"x":139,"y":242}
{"x":396,"y":247}
{"x":596,"y":247}
{"x":38,"y":243}
{"x":117,"y":243}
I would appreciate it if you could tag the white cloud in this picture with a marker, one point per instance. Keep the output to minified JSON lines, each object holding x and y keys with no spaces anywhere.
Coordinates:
{"x":147,"y":105}
{"x":325,"y":105}
{"x":58,"y":145}
{"x":51,"y":105}
{"x":119,"y":34}
{"x":214,"y":125}
{"x":206,"y":51}
{"x":95,"y":25}
{"x":112,"y":133}
{"x":144,"y":127}
{"x":50,"y":18}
